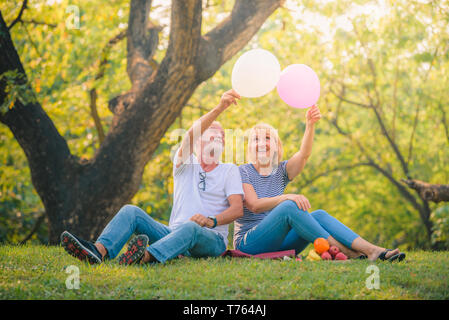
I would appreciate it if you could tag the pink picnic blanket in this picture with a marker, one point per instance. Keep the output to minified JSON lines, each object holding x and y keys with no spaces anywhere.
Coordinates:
{"x":266,"y":255}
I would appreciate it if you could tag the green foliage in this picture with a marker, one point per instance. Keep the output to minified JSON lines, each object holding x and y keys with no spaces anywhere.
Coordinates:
{"x":16,"y":88}
{"x":404,"y":41}
{"x":20,"y":206}
{"x":440,"y":219}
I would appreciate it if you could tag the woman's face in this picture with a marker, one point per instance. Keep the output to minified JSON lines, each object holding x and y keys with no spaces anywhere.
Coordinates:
{"x":263,"y":146}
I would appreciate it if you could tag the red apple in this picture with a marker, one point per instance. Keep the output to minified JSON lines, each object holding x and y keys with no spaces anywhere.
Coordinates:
{"x":326,"y":256}
{"x":341,"y":256}
{"x":333,"y":250}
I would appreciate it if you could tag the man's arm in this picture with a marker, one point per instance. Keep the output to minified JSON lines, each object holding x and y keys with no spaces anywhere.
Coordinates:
{"x":232,"y":213}
{"x":202,"y":124}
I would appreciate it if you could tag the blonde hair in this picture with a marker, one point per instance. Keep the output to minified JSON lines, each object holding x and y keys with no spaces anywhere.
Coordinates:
{"x":277,"y":154}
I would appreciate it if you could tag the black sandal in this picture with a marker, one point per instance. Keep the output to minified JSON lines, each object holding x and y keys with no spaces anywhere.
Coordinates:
{"x":399,"y":256}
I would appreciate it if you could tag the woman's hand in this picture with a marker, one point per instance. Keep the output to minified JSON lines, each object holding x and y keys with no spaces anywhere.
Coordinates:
{"x":202,"y":220}
{"x":300,"y":200}
{"x":313,"y":115}
{"x":228,"y":98}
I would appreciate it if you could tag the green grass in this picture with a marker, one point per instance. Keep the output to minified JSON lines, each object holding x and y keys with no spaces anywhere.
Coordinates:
{"x":39,"y":272}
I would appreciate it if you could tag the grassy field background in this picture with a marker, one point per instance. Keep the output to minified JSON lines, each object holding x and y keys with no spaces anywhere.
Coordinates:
{"x":40,"y":272}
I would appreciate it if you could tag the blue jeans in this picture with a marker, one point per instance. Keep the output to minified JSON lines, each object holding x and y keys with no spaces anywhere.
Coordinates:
{"x":188,"y":239}
{"x":287,"y":227}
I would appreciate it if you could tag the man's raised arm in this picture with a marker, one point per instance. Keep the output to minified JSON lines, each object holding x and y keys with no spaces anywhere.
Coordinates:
{"x":202,"y":124}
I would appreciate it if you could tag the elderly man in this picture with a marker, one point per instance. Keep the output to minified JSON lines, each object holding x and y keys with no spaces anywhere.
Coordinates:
{"x":208,"y":195}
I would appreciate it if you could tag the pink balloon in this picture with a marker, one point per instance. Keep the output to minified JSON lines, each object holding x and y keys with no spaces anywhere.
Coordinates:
{"x":299,"y":86}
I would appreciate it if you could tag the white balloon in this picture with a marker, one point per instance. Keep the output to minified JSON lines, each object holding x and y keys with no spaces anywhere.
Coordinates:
{"x":255,"y":73}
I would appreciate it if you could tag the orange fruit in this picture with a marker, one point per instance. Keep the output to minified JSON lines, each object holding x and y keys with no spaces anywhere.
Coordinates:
{"x":321,"y":245}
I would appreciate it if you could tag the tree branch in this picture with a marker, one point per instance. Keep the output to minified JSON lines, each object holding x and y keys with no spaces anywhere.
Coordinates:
{"x":39,"y":23}
{"x":393,"y":145}
{"x":36,"y":226}
{"x":326,"y":173}
{"x":143,"y":38}
{"x":224,"y":41}
{"x":93,"y":92}
{"x":342,"y":98}
{"x":429,"y":192}
{"x":142,"y":42}
{"x":19,"y":17}
{"x":185,"y":35}
{"x":197,"y":107}
{"x":422,"y":209}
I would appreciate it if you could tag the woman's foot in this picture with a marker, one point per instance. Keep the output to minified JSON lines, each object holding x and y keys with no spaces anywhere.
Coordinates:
{"x":376,"y":253}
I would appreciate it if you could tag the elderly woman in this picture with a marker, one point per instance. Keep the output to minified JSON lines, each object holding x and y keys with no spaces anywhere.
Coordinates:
{"x":274,"y":221}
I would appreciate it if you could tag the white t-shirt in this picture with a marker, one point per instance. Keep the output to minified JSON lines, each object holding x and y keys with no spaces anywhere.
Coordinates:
{"x":188,"y":199}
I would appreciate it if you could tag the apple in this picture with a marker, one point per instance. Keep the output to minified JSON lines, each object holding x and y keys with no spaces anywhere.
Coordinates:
{"x":326,"y":256}
{"x":333,"y":250}
{"x":341,"y":256}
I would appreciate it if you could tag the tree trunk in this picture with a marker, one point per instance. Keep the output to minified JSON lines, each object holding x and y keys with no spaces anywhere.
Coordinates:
{"x":83,"y":195}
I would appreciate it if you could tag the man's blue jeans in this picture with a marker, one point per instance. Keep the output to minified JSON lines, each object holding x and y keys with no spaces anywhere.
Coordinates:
{"x":189,"y":239}
{"x":287,"y":227}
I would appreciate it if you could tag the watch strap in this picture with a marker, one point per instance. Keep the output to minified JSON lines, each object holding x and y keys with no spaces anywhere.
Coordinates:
{"x":214,"y":220}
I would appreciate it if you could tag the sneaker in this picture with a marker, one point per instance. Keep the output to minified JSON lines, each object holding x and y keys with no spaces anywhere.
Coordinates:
{"x":80,"y":249}
{"x":136,"y":250}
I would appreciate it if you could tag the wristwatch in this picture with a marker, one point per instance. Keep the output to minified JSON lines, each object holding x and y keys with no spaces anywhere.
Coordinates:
{"x":214,"y":220}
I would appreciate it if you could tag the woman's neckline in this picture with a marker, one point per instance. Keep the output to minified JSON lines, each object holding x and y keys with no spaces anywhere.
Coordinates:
{"x":252,"y":165}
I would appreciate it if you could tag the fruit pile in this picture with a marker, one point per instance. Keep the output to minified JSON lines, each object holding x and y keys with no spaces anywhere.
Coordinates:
{"x":322,"y":251}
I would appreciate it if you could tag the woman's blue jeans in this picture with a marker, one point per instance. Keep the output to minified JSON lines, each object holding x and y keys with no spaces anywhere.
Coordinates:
{"x":188,"y":239}
{"x":287,"y":227}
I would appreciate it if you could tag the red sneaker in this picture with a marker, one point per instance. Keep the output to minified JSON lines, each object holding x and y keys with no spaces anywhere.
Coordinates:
{"x":79,"y":248}
{"x":136,"y":250}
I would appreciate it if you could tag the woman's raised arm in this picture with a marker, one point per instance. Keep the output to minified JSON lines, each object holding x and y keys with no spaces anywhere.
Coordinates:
{"x":296,"y":163}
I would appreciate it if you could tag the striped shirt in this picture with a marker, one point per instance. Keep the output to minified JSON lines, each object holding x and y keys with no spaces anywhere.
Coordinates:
{"x":268,"y":186}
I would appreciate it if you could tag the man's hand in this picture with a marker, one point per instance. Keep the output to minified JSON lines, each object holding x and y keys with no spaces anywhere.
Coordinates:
{"x":313,"y":115}
{"x":228,"y":98}
{"x":300,"y":200}
{"x":202,"y":220}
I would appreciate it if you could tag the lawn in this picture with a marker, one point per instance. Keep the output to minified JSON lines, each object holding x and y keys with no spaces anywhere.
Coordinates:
{"x":40,"y":272}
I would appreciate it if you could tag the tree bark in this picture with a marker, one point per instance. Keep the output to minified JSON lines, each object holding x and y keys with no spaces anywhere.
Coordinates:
{"x":83,"y":195}
{"x":429,"y":192}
